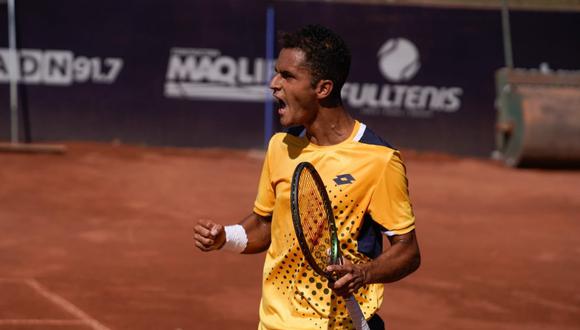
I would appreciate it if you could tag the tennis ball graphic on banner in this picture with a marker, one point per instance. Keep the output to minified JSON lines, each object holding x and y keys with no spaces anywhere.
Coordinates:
{"x":398,"y":60}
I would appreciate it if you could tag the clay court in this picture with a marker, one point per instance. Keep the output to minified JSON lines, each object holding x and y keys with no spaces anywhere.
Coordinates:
{"x":101,"y":238}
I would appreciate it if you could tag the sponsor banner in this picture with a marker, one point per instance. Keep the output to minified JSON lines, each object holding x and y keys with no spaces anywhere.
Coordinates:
{"x":56,"y":67}
{"x":198,"y":73}
{"x":183,"y":73}
{"x":179,"y":73}
{"x":399,"y":62}
{"x":423,"y":78}
{"x":415,"y":79}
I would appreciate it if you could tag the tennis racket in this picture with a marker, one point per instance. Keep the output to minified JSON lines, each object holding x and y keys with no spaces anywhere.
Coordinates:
{"x":316,"y":231}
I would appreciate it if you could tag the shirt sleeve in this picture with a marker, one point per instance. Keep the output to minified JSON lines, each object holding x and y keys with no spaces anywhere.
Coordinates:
{"x":390,"y":204}
{"x":266,"y":198}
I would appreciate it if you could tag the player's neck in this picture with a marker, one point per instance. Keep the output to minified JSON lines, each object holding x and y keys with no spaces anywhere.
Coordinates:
{"x":331,"y":126}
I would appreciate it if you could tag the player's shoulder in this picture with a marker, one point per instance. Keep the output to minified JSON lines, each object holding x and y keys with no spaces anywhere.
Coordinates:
{"x":369,"y":137}
{"x":375,"y":145}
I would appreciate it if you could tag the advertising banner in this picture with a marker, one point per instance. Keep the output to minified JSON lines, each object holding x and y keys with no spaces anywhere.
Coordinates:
{"x":423,"y":78}
{"x":176,"y":73}
{"x":195,"y":73}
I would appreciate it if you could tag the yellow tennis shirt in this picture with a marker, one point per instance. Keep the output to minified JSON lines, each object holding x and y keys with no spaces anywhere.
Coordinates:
{"x":366,"y":182}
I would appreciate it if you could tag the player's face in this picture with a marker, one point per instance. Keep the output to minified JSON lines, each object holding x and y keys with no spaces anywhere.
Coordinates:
{"x":292,"y":89}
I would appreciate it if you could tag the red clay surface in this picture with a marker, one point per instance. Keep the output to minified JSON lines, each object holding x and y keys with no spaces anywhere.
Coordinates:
{"x":109,"y":230}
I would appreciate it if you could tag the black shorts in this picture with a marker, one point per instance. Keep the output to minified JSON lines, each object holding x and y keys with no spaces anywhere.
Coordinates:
{"x":376,"y":323}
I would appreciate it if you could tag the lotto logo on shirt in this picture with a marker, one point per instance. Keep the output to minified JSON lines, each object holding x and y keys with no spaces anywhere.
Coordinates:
{"x":200,"y":73}
{"x":343,"y":179}
{"x":399,"y":61}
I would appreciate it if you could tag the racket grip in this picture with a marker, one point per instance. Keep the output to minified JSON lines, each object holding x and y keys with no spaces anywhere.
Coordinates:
{"x":356,"y":314}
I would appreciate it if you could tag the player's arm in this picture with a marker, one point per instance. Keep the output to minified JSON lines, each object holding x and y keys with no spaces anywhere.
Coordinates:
{"x":396,"y":262}
{"x":391,"y":201}
{"x":251,"y":235}
{"x":257,"y":228}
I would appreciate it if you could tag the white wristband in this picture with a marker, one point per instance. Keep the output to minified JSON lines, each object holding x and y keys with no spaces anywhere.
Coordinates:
{"x":236,"y":239}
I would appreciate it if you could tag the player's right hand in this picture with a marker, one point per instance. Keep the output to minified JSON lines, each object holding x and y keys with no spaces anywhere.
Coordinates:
{"x":209,"y":235}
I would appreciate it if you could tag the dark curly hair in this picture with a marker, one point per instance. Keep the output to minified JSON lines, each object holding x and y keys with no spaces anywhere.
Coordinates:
{"x":327,"y":55}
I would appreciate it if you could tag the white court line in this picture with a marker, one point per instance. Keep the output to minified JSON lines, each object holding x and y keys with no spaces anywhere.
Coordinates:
{"x":42,"y":322}
{"x":83,"y":317}
{"x":64,"y":304}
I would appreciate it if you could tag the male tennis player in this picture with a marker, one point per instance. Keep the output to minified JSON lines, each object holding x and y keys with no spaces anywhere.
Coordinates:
{"x":365,"y":180}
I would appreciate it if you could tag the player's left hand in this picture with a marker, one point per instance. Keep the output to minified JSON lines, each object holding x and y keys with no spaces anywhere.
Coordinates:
{"x":350,"y":278}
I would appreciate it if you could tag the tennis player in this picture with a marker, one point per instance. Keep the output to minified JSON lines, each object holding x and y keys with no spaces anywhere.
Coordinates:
{"x":366,"y":181}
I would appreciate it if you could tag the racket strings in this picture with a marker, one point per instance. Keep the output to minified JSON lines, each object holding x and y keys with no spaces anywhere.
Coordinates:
{"x":314,"y":219}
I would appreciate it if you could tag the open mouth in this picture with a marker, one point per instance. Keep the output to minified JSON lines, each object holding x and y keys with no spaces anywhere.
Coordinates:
{"x":280,"y":105}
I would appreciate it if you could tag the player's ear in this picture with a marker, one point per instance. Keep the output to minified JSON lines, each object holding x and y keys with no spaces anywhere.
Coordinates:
{"x":324,"y":88}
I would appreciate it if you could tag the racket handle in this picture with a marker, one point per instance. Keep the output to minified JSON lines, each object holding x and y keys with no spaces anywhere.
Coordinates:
{"x":356,"y":314}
